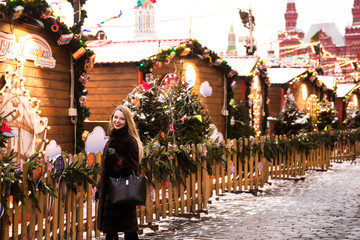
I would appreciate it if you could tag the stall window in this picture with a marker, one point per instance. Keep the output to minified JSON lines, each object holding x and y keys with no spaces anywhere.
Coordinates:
{"x":311,"y":105}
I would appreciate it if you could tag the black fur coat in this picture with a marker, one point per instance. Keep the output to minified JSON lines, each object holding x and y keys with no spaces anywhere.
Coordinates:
{"x":117,"y":218}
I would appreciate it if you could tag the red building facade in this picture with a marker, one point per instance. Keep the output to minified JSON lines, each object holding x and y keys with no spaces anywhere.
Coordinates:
{"x":333,"y":53}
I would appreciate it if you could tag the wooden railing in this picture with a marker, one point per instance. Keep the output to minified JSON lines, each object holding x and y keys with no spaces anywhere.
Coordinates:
{"x":74,"y":216}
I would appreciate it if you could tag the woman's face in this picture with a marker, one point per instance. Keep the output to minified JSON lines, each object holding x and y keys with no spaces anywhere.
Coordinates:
{"x":119,"y":119}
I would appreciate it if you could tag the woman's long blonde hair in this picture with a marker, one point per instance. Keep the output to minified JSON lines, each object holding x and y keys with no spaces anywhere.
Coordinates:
{"x":131,"y":126}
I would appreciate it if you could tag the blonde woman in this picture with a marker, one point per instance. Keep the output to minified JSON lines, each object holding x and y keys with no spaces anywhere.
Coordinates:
{"x":121,"y":156}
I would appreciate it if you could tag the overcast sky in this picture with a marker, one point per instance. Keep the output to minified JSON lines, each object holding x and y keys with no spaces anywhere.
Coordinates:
{"x":211,"y":19}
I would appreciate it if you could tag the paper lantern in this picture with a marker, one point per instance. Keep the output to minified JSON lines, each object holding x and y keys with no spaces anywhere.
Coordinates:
{"x":18,"y":10}
{"x":64,"y":39}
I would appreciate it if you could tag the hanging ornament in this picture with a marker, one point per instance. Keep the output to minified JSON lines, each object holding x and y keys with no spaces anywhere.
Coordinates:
{"x":82,"y":100}
{"x":170,"y":57}
{"x":18,"y":10}
{"x":64,"y":39}
{"x":205,"y":89}
{"x":233,"y":84}
{"x":157,"y":145}
{"x":232,"y":103}
{"x":2,"y":210}
{"x":162,"y":135}
{"x":37,"y":173}
{"x":232,"y":121}
{"x":89,"y":62}
{"x":59,"y":166}
{"x":231,"y":73}
{"x":204,"y":152}
{"x":84,"y":78}
{"x":217,"y":62}
{"x":185,"y":52}
{"x":55,"y":26}
{"x":84,"y":135}
{"x":78,"y":54}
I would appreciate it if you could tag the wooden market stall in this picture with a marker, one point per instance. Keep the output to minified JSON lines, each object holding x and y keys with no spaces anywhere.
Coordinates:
{"x":347,"y":99}
{"x":306,"y":88}
{"x":116,"y":73}
{"x":39,"y":83}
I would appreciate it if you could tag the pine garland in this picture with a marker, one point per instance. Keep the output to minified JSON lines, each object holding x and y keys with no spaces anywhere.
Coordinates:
{"x":36,"y":8}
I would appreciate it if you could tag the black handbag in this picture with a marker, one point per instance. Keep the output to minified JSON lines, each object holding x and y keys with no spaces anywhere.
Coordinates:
{"x":129,"y":190}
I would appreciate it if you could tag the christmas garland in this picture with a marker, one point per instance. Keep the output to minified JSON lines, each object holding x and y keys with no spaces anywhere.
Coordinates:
{"x":84,"y":57}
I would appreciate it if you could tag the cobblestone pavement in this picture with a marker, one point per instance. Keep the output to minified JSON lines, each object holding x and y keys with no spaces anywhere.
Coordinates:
{"x":326,"y":205}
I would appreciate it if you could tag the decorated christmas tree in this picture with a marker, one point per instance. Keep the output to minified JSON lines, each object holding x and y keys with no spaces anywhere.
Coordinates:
{"x":325,"y":115}
{"x":171,"y":114}
{"x":353,"y":119}
{"x":239,"y":123}
{"x":291,"y":120}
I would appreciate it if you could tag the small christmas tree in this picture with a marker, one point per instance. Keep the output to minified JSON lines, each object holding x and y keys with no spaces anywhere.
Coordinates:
{"x":291,"y":120}
{"x":325,"y":115}
{"x":239,"y":122}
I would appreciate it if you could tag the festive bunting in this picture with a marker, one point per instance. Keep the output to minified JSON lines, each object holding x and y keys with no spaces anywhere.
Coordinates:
{"x":198,"y":117}
{"x":146,"y":86}
{"x":6,"y":131}
{"x":98,"y":25}
{"x":172,"y":128}
{"x":136,"y":102}
{"x":144,"y":3}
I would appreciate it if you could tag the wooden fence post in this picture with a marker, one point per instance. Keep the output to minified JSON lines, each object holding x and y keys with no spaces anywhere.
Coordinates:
{"x":246,"y":168}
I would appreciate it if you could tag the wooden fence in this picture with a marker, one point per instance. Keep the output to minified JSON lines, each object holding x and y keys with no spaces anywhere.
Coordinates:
{"x":73,"y":216}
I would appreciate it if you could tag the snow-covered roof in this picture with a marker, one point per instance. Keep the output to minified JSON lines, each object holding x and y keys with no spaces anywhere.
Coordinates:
{"x":108,"y":51}
{"x":329,"y":81}
{"x":330,"y":29}
{"x":284,"y":75}
{"x":242,"y":64}
{"x":344,"y":88}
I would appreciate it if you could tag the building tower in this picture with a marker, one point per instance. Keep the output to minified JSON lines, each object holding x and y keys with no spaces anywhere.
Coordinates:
{"x":292,"y":35}
{"x":352,"y":33}
{"x":231,"y":49}
{"x":145,"y":22}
